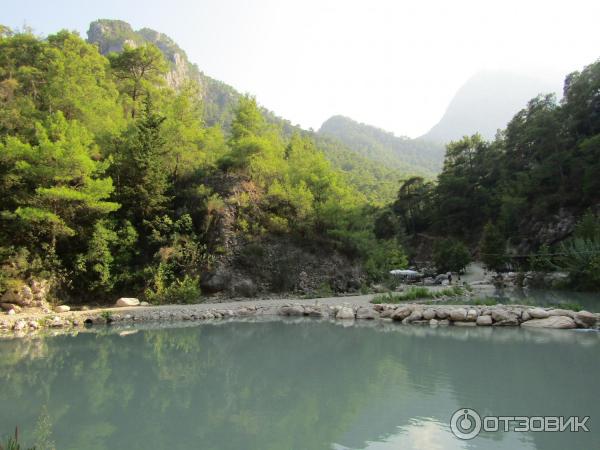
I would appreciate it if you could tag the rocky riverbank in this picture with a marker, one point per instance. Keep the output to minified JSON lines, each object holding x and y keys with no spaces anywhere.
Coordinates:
{"x":338,"y":309}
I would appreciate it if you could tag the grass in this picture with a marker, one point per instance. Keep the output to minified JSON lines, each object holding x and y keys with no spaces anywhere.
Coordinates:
{"x":417,"y":293}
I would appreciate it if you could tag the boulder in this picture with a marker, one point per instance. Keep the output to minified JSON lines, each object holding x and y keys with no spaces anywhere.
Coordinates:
{"x":9,"y":306}
{"x":551,"y":322}
{"x":401,"y":313}
{"x":484,"y":321}
{"x":127,"y":301}
{"x":19,"y":325}
{"x":216,"y":281}
{"x":387,"y":313}
{"x":433,"y":322}
{"x":472,"y":315}
{"x":562,"y":312}
{"x":414,"y":316}
{"x":345,"y":313}
{"x":525,"y":316}
{"x":429,"y":314}
{"x":11,"y":312}
{"x":444,"y":322}
{"x":585,"y":319}
{"x":504,"y":315}
{"x":538,"y":313}
{"x":441,"y":313}
{"x":291,"y":310}
{"x":19,"y":295}
{"x":313,"y":311}
{"x":458,"y":314}
{"x":62,"y":309}
{"x":366,"y":313}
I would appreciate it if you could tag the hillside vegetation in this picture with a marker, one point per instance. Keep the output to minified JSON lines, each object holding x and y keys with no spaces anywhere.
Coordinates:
{"x":111,"y":182}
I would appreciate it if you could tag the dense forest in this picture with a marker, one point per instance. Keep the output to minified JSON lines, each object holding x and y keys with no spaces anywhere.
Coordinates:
{"x":112,"y":183}
{"x":120,"y":174}
{"x":530,"y":198}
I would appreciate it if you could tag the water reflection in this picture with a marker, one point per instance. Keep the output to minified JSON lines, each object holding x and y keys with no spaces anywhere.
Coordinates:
{"x":297,"y":385}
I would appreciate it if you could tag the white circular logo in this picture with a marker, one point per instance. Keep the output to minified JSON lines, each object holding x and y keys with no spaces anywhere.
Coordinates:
{"x":465,"y":423}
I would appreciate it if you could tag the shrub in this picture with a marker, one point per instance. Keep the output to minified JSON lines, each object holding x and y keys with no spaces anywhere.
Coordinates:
{"x":186,"y":290}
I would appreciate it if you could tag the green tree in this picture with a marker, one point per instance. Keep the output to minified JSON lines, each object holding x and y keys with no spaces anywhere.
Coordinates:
{"x":450,"y":255}
{"x":56,"y":187}
{"x":492,"y":248}
{"x":139,"y":70}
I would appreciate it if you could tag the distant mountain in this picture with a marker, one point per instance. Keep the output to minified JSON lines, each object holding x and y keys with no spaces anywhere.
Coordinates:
{"x":411,"y":156}
{"x":486,"y":103}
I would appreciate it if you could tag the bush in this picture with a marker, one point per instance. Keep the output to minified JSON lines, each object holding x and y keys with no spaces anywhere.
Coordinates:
{"x":186,"y":290}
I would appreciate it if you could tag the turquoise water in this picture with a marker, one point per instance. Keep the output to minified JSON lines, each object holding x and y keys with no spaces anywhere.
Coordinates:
{"x":296,"y":385}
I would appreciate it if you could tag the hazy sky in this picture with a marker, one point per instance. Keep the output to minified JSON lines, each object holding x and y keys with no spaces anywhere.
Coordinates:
{"x":395,"y":64}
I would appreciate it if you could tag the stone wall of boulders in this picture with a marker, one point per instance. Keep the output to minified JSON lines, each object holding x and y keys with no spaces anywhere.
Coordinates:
{"x":430,"y":315}
{"x":500,"y":315}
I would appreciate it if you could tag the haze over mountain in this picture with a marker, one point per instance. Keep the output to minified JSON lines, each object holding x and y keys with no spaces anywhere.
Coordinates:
{"x":485,"y":103}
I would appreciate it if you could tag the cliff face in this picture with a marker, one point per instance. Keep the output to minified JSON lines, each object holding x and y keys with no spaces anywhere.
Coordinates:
{"x":113,"y":35}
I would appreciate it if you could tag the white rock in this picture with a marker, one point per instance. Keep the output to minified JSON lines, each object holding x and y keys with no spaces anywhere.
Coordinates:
{"x":144,"y":304}
{"x":472,"y":315}
{"x":345,"y":313}
{"x":551,"y":322}
{"x":62,"y":309}
{"x":126,"y":301}
{"x":433,"y":322}
{"x":11,"y":312}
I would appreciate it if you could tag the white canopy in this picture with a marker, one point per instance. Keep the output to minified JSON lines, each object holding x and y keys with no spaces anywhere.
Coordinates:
{"x":405,"y":272}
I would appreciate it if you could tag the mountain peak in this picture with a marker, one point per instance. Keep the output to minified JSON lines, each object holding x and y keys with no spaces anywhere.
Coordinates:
{"x":486,"y":103}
